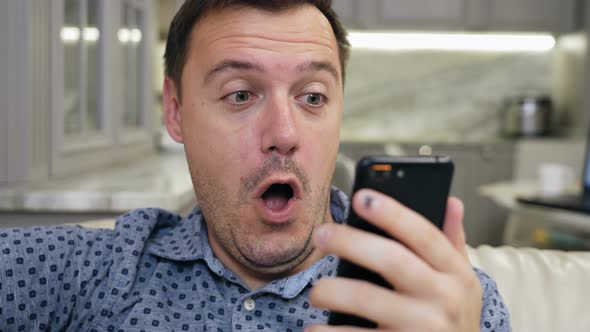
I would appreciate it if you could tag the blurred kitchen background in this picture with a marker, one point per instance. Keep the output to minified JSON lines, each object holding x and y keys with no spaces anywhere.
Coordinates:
{"x":81,"y":133}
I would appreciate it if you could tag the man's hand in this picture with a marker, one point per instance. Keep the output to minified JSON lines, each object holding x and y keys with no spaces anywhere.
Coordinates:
{"x":436,"y":288}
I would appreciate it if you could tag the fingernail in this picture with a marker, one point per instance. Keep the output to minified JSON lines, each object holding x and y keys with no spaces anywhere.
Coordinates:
{"x":370,"y":201}
{"x":322,"y":234}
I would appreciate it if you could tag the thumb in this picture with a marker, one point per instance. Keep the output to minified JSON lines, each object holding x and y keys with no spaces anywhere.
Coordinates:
{"x":453,"y":226}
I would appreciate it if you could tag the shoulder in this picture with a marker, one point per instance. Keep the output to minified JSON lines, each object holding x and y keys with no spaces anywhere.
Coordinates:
{"x":49,"y":239}
{"x":133,"y":230}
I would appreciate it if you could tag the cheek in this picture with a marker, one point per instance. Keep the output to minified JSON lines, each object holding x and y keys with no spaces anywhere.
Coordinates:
{"x":216,"y":149}
{"x":322,"y":142}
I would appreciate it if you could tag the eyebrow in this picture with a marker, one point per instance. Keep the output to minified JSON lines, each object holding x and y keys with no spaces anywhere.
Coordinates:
{"x":249,"y":66}
{"x":319,"y":66}
{"x":231,"y":64}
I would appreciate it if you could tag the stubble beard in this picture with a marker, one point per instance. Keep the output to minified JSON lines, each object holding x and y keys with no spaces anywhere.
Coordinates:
{"x":225,"y":222}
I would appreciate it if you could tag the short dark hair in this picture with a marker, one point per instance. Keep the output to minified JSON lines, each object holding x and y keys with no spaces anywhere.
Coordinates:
{"x":178,"y":41}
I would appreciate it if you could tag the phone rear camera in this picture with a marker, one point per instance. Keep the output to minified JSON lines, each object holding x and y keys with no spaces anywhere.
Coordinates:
{"x":380,"y":175}
{"x":400,"y":173}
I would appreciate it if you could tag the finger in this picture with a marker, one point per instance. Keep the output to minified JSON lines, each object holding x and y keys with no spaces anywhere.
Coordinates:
{"x":409,"y":227}
{"x":366,"y":300}
{"x":390,"y":259}
{"x":453,"y":226}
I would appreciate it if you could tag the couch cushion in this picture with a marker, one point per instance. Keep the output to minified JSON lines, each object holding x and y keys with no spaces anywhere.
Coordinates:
{"x":545,"y":290}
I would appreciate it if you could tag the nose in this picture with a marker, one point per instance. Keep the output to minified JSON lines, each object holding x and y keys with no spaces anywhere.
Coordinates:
{"x":279,"y":132}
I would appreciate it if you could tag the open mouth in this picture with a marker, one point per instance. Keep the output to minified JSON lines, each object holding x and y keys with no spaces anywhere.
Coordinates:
{"x":277,"y":196}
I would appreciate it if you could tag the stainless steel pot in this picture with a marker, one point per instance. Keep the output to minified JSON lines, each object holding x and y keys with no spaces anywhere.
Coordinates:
{"x":526,"y":115}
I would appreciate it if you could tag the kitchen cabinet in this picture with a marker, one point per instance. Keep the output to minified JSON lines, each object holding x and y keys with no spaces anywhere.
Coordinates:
{"x":476,"y":164}
{"x":488,"y":15}
{"x":531,"y":15}
{"x":401,"y":14}
{"x":419,"y":14}
{"x":537,"y":226}
{"x":355,"y":14}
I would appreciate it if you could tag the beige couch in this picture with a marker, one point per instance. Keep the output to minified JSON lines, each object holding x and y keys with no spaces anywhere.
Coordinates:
{"x":546,"y":291}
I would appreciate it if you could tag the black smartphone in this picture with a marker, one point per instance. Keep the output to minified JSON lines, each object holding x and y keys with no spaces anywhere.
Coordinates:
{"x":421,"y":183}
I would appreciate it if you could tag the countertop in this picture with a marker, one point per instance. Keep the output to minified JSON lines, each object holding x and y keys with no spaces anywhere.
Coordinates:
{"x":161,"y":180}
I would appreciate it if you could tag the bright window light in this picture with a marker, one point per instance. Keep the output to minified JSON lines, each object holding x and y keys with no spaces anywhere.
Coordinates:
{"x":124,"y":35}
{"x":135,"y":35}
{"x":475,"y":42}
{"x":91,"y":34}
{"x":129,"y":36}
{"x":72,"y":34}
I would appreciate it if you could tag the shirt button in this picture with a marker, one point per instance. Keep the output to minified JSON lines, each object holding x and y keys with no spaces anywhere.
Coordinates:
{"x":249,"y":304}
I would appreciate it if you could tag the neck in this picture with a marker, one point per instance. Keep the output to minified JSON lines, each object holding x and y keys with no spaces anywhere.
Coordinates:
{"x":253,"y":279}
{"x":256,"y":279}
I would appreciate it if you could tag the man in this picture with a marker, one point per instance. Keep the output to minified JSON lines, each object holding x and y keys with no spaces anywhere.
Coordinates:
{"x":254,"y":90}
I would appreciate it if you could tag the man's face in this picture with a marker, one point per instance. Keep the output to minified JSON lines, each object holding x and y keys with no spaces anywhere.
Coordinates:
{"x":260,"y":119}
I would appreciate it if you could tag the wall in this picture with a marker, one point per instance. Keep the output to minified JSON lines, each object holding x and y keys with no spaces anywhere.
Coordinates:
{"x":569,"y":67}
{"x":454,"y":97}
{"x":4,"y":68}
{"x":14,"y":101}
{"x":437,"y":95}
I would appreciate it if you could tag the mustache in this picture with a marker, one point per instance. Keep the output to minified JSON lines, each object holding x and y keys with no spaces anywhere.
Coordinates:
{"x":272,"y":165}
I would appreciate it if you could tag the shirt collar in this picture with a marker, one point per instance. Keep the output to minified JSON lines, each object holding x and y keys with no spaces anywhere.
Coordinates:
{"x":177,"y":238}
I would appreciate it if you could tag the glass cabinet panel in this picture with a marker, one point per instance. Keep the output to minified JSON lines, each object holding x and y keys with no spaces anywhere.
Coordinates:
{"x":81,"y":41}
{"x":92,"y":43}
{"x":131,"y":40}
{"x":70,"y":37}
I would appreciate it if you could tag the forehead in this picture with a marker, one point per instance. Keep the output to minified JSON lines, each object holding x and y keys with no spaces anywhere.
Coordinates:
{"x":300,"y":32}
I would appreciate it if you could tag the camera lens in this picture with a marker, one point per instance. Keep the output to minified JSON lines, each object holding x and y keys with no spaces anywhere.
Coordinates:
{"x":400,"y":173}
{"x":380,"y":175}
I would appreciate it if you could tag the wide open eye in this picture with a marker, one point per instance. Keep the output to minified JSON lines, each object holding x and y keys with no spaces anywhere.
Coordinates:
{"x":239,"y":97}
{"x":313,"y":99}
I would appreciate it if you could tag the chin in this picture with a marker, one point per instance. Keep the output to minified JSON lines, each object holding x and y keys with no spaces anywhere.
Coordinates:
{"x":276,"y":253}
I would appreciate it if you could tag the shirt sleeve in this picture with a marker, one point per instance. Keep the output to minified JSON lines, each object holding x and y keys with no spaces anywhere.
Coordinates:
{"x":494,"y":314}
{"x":43,"y":270}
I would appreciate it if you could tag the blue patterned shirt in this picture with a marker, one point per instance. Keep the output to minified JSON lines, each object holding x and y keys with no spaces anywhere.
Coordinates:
{"x":156,"y":272}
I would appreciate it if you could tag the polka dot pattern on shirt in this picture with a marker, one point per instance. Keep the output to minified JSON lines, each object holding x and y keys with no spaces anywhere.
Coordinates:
{"x":156,"y":272}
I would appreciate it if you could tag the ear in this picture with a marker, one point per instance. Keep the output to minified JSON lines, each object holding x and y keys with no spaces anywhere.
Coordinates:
{"x":172,"y":116}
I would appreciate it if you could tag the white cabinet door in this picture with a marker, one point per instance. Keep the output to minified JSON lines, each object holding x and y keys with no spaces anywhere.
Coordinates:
{"x":532,"y":15}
